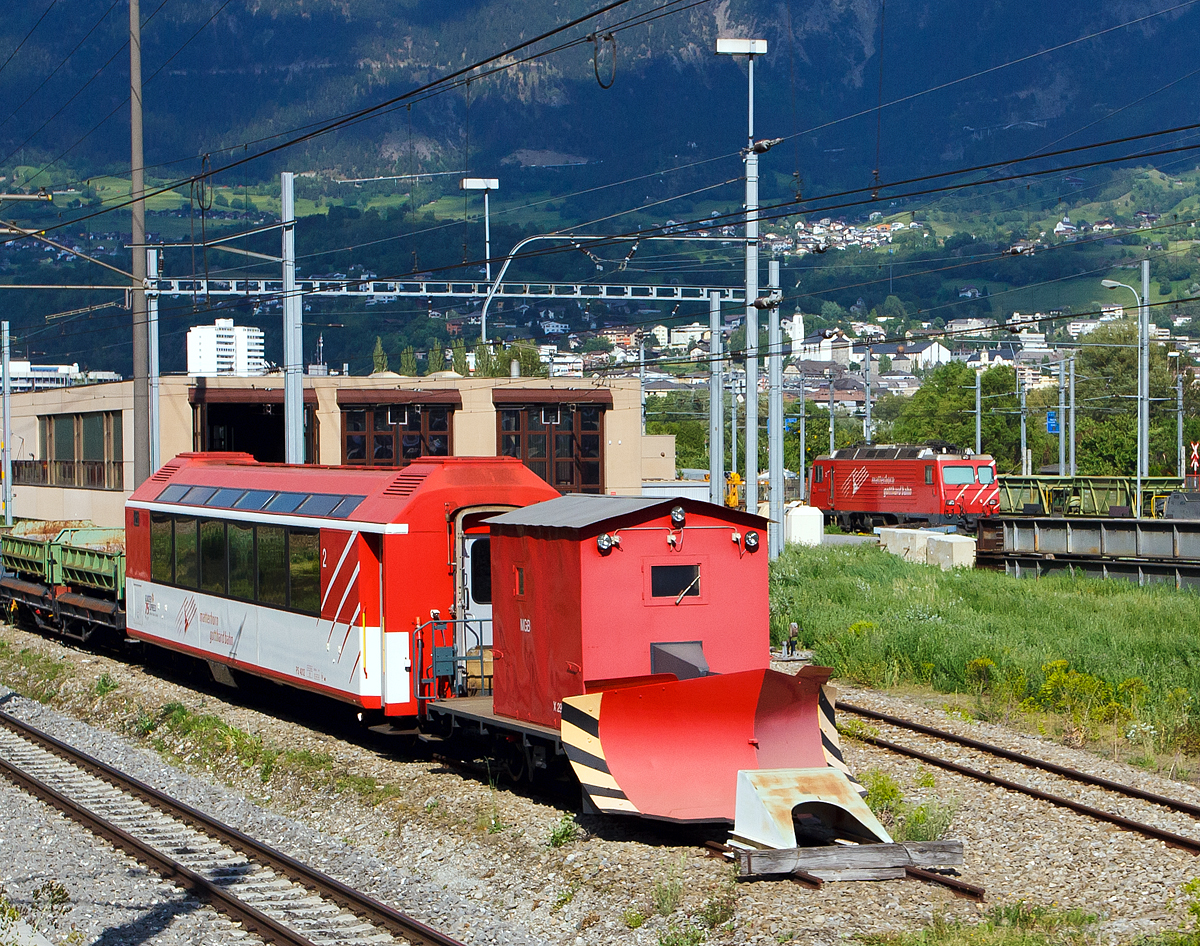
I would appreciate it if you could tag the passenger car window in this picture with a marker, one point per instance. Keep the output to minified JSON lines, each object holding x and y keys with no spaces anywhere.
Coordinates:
{"x":304,"y":574}
{"x":186,"y":573}
{"x":272,"y":565}
{"x":162,"y":548}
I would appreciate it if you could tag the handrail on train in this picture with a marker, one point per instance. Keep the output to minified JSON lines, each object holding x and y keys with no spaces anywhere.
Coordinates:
{"x":446,"y":662}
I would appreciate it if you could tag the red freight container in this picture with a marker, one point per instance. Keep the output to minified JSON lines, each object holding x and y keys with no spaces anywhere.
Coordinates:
{"x":590,"y":590}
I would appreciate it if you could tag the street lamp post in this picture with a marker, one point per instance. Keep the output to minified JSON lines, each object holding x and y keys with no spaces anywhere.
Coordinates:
{"x":487,"y":185}
{"x":1143,"y":397}
{"x":1174,"y":356}
{"x":750,"y":48}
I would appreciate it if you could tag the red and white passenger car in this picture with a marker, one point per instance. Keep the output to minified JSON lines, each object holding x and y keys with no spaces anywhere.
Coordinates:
{"x":323,"y":578}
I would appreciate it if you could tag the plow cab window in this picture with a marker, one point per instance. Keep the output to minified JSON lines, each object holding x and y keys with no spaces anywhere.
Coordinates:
{"x":674,"y":581}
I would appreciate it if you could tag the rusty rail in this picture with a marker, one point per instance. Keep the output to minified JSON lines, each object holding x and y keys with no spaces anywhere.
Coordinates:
{"x":1175,"y":804}
{"x":1191,"y":845}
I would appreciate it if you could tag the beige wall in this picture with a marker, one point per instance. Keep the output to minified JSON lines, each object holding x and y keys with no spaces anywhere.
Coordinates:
{"x":629,"y":457}
{"x":658,"y":456}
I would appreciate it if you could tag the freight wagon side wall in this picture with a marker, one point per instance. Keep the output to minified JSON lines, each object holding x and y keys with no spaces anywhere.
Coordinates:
{"x":537,"y":634}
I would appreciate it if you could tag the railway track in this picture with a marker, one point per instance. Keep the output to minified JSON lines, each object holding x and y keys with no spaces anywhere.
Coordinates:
{"x":1183,"y":842}
{"x":271,"y":894}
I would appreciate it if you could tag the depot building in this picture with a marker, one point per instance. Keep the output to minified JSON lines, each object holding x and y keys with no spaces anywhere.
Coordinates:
{"x":73,"y":447}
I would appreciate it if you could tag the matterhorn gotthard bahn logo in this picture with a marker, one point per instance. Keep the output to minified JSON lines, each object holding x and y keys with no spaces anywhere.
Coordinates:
{"x":852,"y":484}
{"x":186,"y":616}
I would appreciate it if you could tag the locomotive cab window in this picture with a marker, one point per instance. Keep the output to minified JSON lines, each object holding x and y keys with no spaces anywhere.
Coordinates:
{"x":674,"y":581}
{"x":929,"y":476}
{"x":958,"y":475}
{"x":818,"y":474}
{"x":985,"y":475}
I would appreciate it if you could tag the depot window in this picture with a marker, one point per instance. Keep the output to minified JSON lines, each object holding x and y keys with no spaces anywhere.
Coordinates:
{"x":275,"y":566}
{"x":77,"y":450}
{"x":395,"y":434}
{"x":958,"y":475}
{"x":561,"y":443}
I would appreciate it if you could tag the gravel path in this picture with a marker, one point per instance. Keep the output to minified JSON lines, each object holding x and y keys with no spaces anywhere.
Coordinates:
{"x":476,"y":861}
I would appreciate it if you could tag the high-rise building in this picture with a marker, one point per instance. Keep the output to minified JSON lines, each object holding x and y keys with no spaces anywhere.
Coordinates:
{"x":225,"y":348}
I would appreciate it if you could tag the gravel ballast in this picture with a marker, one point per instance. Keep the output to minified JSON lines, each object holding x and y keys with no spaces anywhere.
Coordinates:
{"x":476,"y":861}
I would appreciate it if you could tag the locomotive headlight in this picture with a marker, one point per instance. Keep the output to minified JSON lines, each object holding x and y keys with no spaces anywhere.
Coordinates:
{"x":604,"y":543}
{"x":751,"y":541}
{"x":678,"y":517}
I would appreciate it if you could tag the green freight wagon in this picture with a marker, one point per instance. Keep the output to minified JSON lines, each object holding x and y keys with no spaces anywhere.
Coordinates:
{"x":65,"y":575}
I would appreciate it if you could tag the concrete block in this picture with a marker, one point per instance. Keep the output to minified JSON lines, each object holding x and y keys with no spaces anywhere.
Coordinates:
{"x":910,"y":544}
{"x":803,"y":525}
{"x":951,"y":551}
{"x":889,"y":540}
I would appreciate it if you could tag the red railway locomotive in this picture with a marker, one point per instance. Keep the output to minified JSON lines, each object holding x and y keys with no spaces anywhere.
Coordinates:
{"x":863,"y":487}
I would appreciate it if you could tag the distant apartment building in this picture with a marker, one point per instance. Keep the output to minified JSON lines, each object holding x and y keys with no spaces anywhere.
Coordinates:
{"x":225,"y":349}
{"x":26,"y":376}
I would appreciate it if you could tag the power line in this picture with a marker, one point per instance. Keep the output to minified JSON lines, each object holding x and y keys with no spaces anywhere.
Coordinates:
{"x":25,"y":38}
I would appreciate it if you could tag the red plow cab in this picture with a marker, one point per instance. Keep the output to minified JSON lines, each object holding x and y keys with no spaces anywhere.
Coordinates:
{"x":639,"y":627}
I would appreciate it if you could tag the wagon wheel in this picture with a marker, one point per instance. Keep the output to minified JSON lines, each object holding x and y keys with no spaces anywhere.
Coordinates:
{"x":512,"y":761}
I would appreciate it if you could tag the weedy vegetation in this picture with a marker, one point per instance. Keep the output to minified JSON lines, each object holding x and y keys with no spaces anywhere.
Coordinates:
{"x":1098,"y":663}
{"x":905,"y":820}
{"x":1012,"y":924}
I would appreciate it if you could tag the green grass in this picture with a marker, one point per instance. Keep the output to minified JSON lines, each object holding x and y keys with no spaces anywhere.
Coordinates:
{"x":1132,"y":655}
{"x":1014,"y":924}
